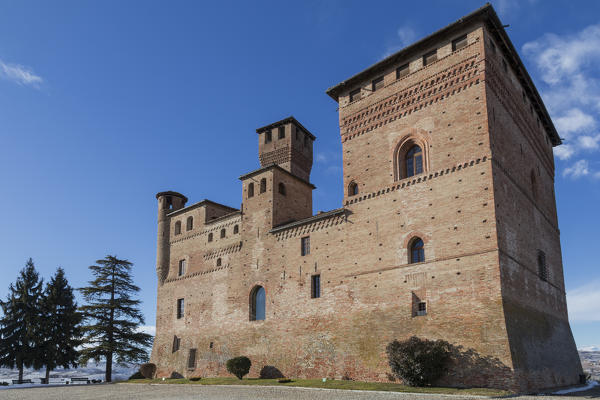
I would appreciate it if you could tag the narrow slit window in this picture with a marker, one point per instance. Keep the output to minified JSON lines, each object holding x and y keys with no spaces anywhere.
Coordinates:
{"x":250,"y":189}
{"x":190,"y":223}
{"x":315,"y":287}
{"x":180,"y":308}
{"x":219,"y":262}
{"x":210,"y":237}
{"x":263,"y":185}
{"x":176,"y":344}
{"x":236,"y":229}
{"x":178,"y":228}
{"x":223,"y":232}
{"x":191,"y":364}
{"x":282,"y":188}
{"x":305,"y":246}
{"x":181,"y":271}
{"x":542,"y":267}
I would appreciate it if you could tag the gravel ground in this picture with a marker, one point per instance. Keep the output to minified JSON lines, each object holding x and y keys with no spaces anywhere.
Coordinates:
{"x":185,"y":392}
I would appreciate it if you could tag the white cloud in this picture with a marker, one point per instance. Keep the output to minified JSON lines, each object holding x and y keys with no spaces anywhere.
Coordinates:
{"x":505,"y":7}
{"x":149,"y":329}
{"x":321,"y":158}
{"x":583,"y":302}
{"x":570,"y":87}
{"x":406,"y":35}
{"x":19,"y":74}
{"x":577,"y":170}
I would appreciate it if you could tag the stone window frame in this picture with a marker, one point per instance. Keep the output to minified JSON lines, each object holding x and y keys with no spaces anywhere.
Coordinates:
{"x":252,"y":302}
{"x":411,"y":248}
{"x":353,"y":188}
{"x":403,"y":145}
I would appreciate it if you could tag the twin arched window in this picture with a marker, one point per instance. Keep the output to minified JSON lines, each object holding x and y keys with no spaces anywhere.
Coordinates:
{"x":190,"y":223}
{"x":257,"y":304}
{"x":416,"y":251}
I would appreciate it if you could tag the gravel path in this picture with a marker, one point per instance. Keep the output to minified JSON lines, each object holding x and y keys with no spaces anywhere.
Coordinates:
{"x":185,"y":392}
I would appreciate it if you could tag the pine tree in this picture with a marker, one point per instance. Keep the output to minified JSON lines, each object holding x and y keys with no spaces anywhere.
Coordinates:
{"x":20,"y":326}
{"x":112,"y":316}
{"x":62,"y":333}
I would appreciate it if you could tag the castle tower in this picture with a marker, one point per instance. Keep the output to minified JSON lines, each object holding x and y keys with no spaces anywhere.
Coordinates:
{"x":167,"y":203}
{"x":288,"y":144}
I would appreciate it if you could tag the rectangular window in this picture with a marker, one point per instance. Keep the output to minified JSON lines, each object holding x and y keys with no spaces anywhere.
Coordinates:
{"x":459,"y":43}
{"x":281,"y":131}
{"x":377,"y":84}
{"x":402,"y":71}
{"x":176,"y":343}
{"x":192,"y":359}
{"x":422,"y":309}
{"x":315,"y":287}
{"x":180,"y":309}
{"x":355,"y":95}
{"x":430,"y":57}
{"x":305,"y":245}
{"x":268,"y":137}
{"x":542,"y":267}
{"x":181,"y":268}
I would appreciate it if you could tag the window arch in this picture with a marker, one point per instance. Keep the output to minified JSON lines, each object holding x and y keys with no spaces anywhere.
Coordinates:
{"x":210,"y":237}
{"x":263,"y":185}
{"x":219,"y":262}
{"x":281,"y":188}
{"x":222,"y":233}
{"x":416,"y":251}
{"x":250,"y":189}
{"x":236,"y":229}
{"x":257,"y":303}
{"x":178,"y":227}
{"x":190,"y":223}
{"x":352,"y":189}
{"x":410,"y":158}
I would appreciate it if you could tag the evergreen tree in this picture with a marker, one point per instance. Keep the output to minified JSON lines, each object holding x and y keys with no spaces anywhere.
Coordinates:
{"x":20,"y":326}
{"x":112,"y":316}
{"x":62,"y":333}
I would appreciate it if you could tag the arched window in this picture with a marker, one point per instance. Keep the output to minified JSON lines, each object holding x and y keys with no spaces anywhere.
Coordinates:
{"x":219,"y":262}
{"x":263,"y":185}
{"x":222,"y":233}
{"x":190,"y":223}
{"x":352,"y":189}
{"x":257,"y":304}
{"x":542,"y":268}
{"x":250,"y":189}
{"x":416,"y":250}
{"x":210,"y":237}
{"x":178,"y":227}
{"x":413,"y":161}
{"x":236,"y":229}
{"x":281,"y":188}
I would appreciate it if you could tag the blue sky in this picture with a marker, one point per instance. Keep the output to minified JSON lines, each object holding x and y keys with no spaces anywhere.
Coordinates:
{"x":103,"y":104}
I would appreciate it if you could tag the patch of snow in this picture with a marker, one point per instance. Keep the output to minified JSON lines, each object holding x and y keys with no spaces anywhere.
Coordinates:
{"x":589,"y":348}
{"x":578,"y":389}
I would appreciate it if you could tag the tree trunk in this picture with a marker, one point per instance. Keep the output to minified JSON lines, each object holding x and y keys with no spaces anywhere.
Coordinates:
{"x":47,"y":375}
{"x":108,"y":375}
{"x":21,"y":373}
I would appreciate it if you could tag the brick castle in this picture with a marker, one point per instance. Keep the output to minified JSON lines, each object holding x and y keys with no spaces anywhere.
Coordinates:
{"x":448,"y":229}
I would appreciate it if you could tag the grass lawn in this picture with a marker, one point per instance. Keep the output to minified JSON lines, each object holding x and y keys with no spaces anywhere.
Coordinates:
{"x":330,"y":384}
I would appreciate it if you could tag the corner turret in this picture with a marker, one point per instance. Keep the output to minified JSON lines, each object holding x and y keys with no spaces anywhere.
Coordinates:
{"x":167,"y":203}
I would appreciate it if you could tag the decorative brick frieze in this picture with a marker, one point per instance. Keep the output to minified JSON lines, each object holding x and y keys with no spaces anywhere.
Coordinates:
{"x":211,"y":254}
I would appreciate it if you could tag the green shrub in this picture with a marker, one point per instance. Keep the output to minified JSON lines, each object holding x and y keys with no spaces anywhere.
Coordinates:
{"x":176,"y":375}
{"x":195,"y":378}
{"x":148,"y":370}
{"x":137,"y":375}
{"x":3,"y":383}
{"x":418,"y":362}
{"x":239,"y":366}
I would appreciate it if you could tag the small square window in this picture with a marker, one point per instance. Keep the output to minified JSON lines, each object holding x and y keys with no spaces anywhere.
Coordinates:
{"x":181,"y":268}
{"x":315,"y":286}
{"x":402,"y":71}
{"x":459,"y":43}
{"x":430,"y":57}
{"x":355,"y":95}
{"x":268,"y":137}
{"x":180,"y":308}
{"x":281,"y":132}
{"x":305,"y":245}
{"x":377,"y":84}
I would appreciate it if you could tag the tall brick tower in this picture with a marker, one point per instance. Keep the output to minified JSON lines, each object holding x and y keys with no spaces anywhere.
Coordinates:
{"x":448,"y":230}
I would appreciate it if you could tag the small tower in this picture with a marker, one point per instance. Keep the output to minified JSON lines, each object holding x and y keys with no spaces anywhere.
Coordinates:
{"x":288,"y":144}
{"x":167,"y":203}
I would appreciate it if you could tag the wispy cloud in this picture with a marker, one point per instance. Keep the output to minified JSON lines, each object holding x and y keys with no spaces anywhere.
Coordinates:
{"x":405,"y":35}
{"x":149,"y":329}
{"x":583,"y":302}
{"x":570,"y":86}
{"x":19,"y":74}
{"x":507,"y":7}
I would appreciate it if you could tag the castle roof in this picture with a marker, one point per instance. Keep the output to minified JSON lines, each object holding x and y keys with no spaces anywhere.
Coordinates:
{"x":204,"y":202}
{"x":271,"y":166}
{"x":171,"y":193}
{"x":320,"y":216}
{"x":485,"y":14}
{"x":286,"y":121}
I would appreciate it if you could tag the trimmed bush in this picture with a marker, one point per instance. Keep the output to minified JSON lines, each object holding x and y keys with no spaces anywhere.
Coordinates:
{"x":239,"y":366}
{"x":148,"y":370}
{"x":176,"y":375}
{"x":195,"y":378}
{"x":418,"y":362}
{"x":270,"y":372}
{"x":137,"y":375}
